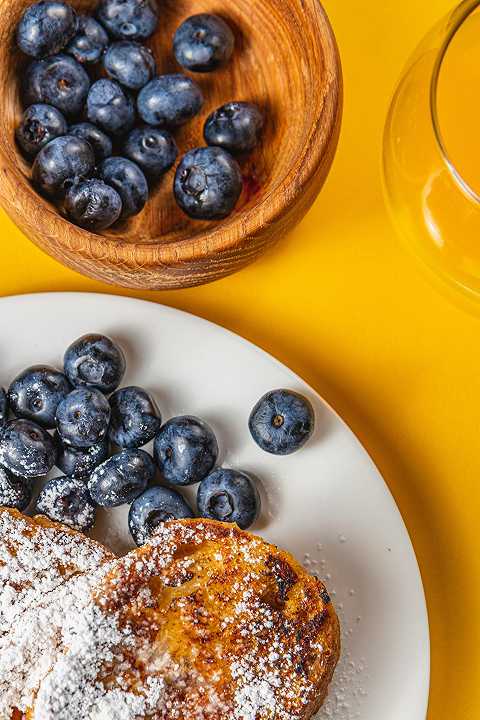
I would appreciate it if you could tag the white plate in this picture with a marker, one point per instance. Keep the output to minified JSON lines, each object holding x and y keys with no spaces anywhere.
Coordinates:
{"x":327,"y":503}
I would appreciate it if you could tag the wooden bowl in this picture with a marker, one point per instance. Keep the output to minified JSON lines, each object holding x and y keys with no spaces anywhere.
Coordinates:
{"x":286,"y":60}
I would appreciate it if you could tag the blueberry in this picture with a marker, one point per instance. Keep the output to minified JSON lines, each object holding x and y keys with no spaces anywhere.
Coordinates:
{"x":3,"y":408}
{"x":83,"y":418}
{"x":281,"y":422}
{"x":95,"y":361}
{"x":235,"y":127}
{"x":36,"y":392}
{"x":128,"y":19}
{"x":66,"y":500}
{"x":59,"y":81}
{"x":129,"y":182}
{"x":154,"y":507}
{"x":229,"y":496}
{"x":122,"y":478}
{"x":203,"y":43}
{"x":152,"y":149}
{"x":185,"y":450}
{"x":135,"y":417}
{"x":93,"y":205}
{"x":45,"y":28}
{"x":15,"y":492}
{"x":98,"y":140}
{"x":26,"y":449}
{"x":109,"y":107}
{"x":80,"y":462}
{"x":130,"y":64}
{"x":62,"y":163}
{"x":208,"y":183}
{"x":40,"y":124}
{"x":90,"y":41}
{"x":169,"y":100}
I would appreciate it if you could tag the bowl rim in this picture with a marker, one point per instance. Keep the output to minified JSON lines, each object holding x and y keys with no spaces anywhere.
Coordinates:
{"x":230,"y":234}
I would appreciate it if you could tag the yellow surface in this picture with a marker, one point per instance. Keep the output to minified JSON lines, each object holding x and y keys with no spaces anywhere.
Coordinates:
{"x":343,"y":305}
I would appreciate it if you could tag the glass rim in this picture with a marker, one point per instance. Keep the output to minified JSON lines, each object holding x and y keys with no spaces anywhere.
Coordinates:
{"x":460,"y":15}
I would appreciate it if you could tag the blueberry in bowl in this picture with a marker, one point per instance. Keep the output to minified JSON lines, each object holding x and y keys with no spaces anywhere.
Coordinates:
{"x":99,"y":141}
{"x":4,"y":409}
{"x":236,"y":127}
{"x":15,"y":492}
{"x":36,"y":393}
{"x":39,"y":125}
{"x":129,"y":181}
{"x":59,"y":81}
{"x":229,"y":496}
{"x":130,"y":64}
{"x":185,"y":450}
{"x":46,"y":27}
{"x":89,"y":43}
{"x":121,"y":478}
{"x":82,"y":418}
{"x":154,"y":507}
{"x":95,"y":361}
{"x":128,"y":19}
{"x":282,"y":421}
{"x":203,"y":43}
{"x":208,"y":183}
{"x":135,"y":418}
{"x":26,"y":449}
{"x":80,"y":462}
{"x":152,"y":149}
{"x":61,"y":164}
{"x":67,"y":500}
{"x":110,"y":107}
{"x":169,"y":101}
{"x":93,"y":205}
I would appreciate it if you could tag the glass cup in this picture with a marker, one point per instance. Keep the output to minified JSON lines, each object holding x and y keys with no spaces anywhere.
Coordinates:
{"x":432,"y":153}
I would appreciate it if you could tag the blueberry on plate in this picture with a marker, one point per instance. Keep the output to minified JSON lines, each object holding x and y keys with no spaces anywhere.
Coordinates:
{"x":130,"y":64}
{"x":45,"y":28}
{"x":235,"y":127}
{"x":66,"y":500}
{"x":62,"y":163}
{"x":122,"y":478}
{"x":109,"y":107}
{"x":15,"y":492}
{"x":90,"y":41}
{"x":281,"y":422}
{"x":36,"y":393}
{"x":203,"y":43}
{"x":129,"y":181}
{"x":80,"y":462}
{"x":135,"y":418}
{"x":229,"y":496}
{"x":59,"y":81}
{"x":26,"y":449}
{"x":169,"y":100}
{"x":95,"y":361}
{"x":128,"y":19}
{"x":96,"y":138}
{"x":93,"y":205}
{"x":154,"y":507}
{"x":185,"y":450}
{"x":208,"y":183}
{"x":40,"y":124}
{"x":83,"y":418}
{"x":3,"y":407}
{"x":152,"y":149}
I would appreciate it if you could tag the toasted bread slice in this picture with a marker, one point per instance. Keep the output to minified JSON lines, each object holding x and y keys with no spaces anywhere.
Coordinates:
{"x":205,"y":621}
{"x":42,"y":566}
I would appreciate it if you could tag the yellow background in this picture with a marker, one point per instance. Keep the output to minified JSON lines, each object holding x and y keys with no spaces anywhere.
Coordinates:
{"x":341,"y":303}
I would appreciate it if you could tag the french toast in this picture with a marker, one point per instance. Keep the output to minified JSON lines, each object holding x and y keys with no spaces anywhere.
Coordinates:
{"x":204,"y":622}
{"x":43,"y":566}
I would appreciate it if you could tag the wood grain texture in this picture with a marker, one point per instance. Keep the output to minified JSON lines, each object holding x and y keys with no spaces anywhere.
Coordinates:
{"x":287,"y":61}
